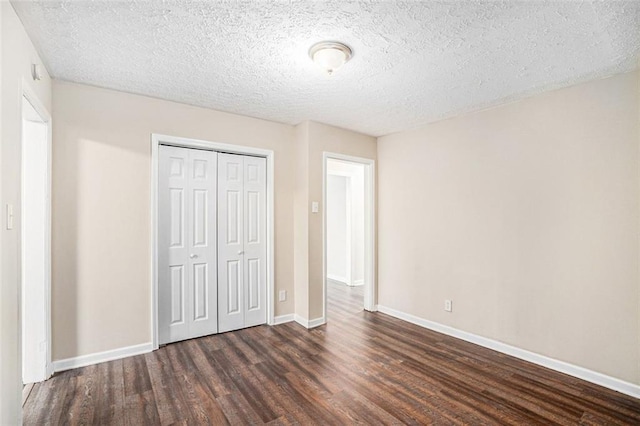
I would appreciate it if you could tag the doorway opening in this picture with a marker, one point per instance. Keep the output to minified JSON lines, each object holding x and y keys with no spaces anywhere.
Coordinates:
{"x":35,"y":241}
{"x":349,"y":237}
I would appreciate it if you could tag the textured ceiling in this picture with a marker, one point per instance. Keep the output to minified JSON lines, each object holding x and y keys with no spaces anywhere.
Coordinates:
{"x":414,"y":62}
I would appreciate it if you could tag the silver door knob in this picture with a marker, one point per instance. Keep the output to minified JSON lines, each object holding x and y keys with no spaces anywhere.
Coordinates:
{"x":193,"y":256}
{"x":240,"y":253}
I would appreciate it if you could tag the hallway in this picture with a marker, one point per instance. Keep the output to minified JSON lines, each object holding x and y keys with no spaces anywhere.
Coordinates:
{"x":343,"y":301}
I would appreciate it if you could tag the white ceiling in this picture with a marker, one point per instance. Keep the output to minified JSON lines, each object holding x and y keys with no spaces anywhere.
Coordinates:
{"x":414,"y":62}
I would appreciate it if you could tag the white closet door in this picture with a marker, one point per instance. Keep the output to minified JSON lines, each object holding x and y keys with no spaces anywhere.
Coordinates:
{"x":187,"y":296}
{"x":230,"y":242}
{"x":255,"y":246}
{"x":241,"y":245}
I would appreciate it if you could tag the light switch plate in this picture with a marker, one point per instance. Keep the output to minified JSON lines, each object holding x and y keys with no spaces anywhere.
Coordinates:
{"x":282,"y":295}
{"x":314,"y":207}
{"x":9,"y":216}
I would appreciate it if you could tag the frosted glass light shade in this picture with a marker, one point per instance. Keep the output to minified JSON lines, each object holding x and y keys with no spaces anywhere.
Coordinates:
{"x":330,"y":55}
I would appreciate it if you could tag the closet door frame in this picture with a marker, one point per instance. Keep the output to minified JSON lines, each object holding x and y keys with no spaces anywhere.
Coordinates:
{"x":156,"y":141}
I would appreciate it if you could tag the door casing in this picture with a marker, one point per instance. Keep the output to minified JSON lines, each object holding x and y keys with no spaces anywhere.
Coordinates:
{"x":44,"y":365}
{"x":159,"y":139}
{"x":369,"y":231}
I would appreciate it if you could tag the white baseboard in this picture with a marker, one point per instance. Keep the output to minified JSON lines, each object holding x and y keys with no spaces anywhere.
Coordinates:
{"x":621,"y":386}
{"x":283,"y":319}
{"x":309,"y":323}
{"x":97,"y":358}
{"x":316,"y":322}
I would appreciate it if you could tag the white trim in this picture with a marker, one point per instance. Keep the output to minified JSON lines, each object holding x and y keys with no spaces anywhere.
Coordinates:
{"x":158,"y":139}
{"x":302,"y":321}
{"x":155,"y":156}
{"x":554,"y":364}
{"x":370,"y":286}
{"x":357,"y":283}
{"x":349,"y":230}
{"x":99,"y":357}
{"x":281,"y":319}
{"x":32,"y":98}
{"x":341,"y":173}
{"x":308,"y":324}
{"x":317,"y":322}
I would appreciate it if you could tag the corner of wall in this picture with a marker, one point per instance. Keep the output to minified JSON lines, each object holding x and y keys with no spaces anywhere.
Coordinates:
{"x":15,"y":68}
{"x":301,"y":225}
{"x":312,"y":139}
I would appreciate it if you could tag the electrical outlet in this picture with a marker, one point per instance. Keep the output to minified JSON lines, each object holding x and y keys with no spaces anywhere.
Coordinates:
{"x":448,"y":305}
{"x":282,"y":295}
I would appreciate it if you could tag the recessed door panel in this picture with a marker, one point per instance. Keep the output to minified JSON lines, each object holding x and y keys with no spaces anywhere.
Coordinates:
{"x":176,"y":166}
{"x":177,"y":294}
{"x":253,"y":284}
{"x":176,"y":198}
{"x":233,"y":290}
{"x":253,"y":171}
{"x":200,"y":217}
{"x":253,"y":217}
{"x":200,"y":169}
{"x":234,"y":221}
{"x":233,"y":169}
{"x":200,"y":292}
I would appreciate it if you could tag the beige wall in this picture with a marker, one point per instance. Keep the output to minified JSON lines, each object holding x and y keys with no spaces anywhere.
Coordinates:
{"x":17,"y":56}
{"x":301,"y":220}
{"x":526,"y":216}
{"x":101,"y":208}
{"x":323,"y":138}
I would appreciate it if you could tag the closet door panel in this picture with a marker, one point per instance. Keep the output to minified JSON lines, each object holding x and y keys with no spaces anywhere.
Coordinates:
{"x":173,"y":256}
{"x":203,"y":241}
{"x":187,"y":244}
{"x":255,"y":246}
{"x":231,"y":292}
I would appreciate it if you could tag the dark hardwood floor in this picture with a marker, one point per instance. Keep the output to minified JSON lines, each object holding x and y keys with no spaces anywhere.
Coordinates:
{"x":359,"y":368}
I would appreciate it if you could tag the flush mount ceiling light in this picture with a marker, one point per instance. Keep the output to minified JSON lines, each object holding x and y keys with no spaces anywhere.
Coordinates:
{"x":330,"y":55}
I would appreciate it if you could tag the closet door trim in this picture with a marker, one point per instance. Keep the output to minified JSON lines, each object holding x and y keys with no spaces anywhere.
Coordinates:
{"x":159,"y":139}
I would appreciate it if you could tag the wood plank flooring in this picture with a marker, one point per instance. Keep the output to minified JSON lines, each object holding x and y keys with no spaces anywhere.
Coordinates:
{"x":361,"y":367}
